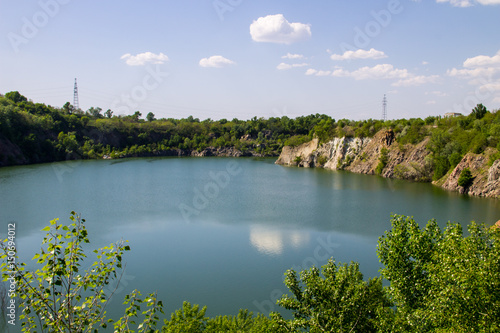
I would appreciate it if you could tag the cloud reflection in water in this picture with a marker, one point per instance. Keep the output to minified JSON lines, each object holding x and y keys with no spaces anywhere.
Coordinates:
{"x":271,"y":241}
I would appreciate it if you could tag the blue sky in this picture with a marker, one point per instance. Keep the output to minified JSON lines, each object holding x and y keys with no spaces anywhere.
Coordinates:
{"x":244,"y":58}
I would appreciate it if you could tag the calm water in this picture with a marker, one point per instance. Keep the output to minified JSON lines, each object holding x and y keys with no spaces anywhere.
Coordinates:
{"x":220,"y":231}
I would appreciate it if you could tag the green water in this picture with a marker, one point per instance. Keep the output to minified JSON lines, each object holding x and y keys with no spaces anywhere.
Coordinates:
{"x":221,"y":231}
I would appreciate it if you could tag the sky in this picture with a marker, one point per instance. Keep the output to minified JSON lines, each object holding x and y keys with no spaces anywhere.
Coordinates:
{"x":244,"y":58}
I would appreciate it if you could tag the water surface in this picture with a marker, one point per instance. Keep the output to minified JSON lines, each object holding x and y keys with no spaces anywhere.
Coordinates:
{"x":222,"y":231}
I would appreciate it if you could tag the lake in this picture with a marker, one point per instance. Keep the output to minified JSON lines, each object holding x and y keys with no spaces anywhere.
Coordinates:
{"x":221,"y":232}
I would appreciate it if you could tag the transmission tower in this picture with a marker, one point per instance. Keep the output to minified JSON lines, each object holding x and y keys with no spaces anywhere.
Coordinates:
{"x":76,"y":104}
{"x":384,"y":108}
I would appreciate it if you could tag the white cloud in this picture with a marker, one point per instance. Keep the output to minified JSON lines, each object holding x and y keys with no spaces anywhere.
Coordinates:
{"x":483,"y":72}
{"x":468,"y":3}
{"x":416,"y":80}
{"x":477,"y":68}
{"x":457,"y":3}
{"x":425,"y":63}
{"x":216,"y":61}
{"x":379,"y":72}
{"x":323,"y":73}
{"x":483,"y":61}
{"x":436,"y":93}
{"x":382,"y":71}
{"x":472,"y":73}
{"x":284,"y":66}
{"x":311,"y":71}
{"x":292,"y":56}
{"x":359,"y":54}
{"x":276,"y":29}
{"x":430,"y":102}
{"x":491,"y":87}
{"x":144,"y":58}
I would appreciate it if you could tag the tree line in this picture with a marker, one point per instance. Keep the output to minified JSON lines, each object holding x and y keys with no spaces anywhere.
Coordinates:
{"x":40,"y":133}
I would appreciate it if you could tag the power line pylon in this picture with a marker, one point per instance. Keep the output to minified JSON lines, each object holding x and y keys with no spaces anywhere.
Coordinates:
{"x":76,"y":104}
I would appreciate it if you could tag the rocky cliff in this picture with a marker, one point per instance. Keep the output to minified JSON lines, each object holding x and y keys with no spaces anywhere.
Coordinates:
{"x":382,"y":155}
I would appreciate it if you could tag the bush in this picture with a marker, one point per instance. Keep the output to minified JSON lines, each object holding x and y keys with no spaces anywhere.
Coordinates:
{"x":465,"y":179}
{"x":297,"y":140}
{"x":383,"y":159}
{"x":322,"y":159}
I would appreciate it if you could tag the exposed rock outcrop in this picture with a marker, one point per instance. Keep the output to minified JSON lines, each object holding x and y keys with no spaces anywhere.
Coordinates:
{"x":380,"y":154}
{"x":302,"y":155}
{"x":11,"y":154}
{"x":486,"y":181}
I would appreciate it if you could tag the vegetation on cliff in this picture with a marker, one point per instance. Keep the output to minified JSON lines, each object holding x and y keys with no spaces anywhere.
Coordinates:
{"x":437,"y":281}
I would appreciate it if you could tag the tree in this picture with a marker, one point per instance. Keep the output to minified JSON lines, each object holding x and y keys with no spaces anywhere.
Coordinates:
{"x":108,"y":113}
{"x":441,"y":280}
{"x":16,"y":97}
{"x":60,"y":297}
{"x":136,"y":115}
{"x":338,"y":301}
{"x":95,"y":112}
{"x":68,"y":108}
{"x":465,"y":179}
{"x":150,"y":116}
{"x":479,"y":111}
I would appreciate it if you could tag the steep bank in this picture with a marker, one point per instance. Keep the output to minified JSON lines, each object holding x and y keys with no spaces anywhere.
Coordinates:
{"x":382,"y":155}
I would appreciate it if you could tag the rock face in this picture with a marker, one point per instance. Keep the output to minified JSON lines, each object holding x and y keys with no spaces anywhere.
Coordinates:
{"x":302,"y":155}
{"x":410,"y":162}
{"x":10,"y":153}
{"x":486,"y":179}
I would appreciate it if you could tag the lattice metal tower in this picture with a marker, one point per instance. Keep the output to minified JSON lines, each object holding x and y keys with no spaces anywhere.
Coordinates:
{"x":76,"y":103}
{"x":384,"y":108}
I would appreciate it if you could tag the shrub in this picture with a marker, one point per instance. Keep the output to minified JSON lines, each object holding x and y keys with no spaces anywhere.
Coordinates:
{"x":383,"y":159}
{"x":465,"y":179}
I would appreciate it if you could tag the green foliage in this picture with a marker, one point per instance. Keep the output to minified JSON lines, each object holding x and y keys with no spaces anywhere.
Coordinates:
{"x":438,"y":281}
{"x":322,"y":159}
{"x":338,"y":300}
{"x":131,"y":136}
{"x":93,"y":134}
{"x":479,"y":111}
{"x":465,"y":179}
{"x":189,"y":319}
{"x":441,"y":281}
{"x":60,"y":297}
{"x":400,"y":171}
{"x":16,"y":97}
{"x":382,"y":161}
{"x":297,"y":140}
{"x":150,"y":116}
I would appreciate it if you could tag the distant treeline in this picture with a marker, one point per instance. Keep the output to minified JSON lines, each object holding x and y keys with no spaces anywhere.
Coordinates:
{"x":36,"y":133}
